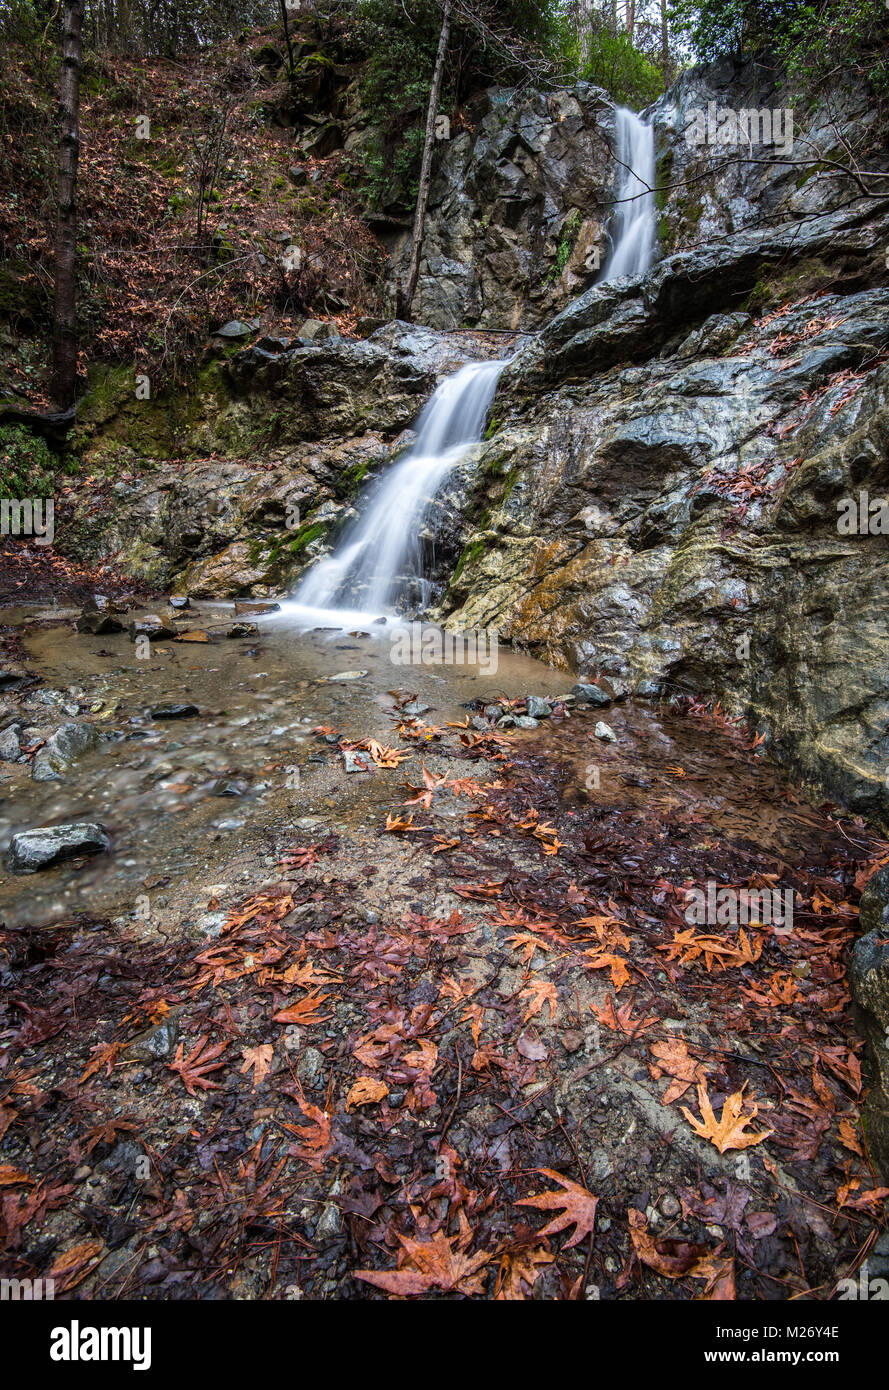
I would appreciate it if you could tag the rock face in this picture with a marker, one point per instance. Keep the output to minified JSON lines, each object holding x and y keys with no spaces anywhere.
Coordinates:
{"x":869,"y":979}
{"x":662,"y":500}
{"x":517,"y":207}
{"x":712,"y":190}
{"x":39,"y":849}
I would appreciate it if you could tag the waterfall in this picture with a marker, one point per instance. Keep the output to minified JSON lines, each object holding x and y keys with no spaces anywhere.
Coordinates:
{"x":380,"y":551}
{"x":632,"y":228}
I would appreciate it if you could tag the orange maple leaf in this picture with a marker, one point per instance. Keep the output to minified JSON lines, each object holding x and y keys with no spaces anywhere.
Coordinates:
{"x":673,"y":1058}
{"x":576,"y":1204}
{"x":366,"y":1091}
{"x":200,"y":1061}
{"x":539,"y":992}
{"x":260,"y":1059}
{"x":304,"y":1010}
{"x":519,"y":1271}
{"x":728,"y":1131}
{"x":622,"y":1020}
{"x":433,"y":1262}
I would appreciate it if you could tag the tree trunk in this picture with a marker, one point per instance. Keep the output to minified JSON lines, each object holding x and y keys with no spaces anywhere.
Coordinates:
{"x":665,"y":39}
{"x":631,"y":18}
{"x":287,"y":39}
{"x":64,"y":373}
{"x":407,"y":297}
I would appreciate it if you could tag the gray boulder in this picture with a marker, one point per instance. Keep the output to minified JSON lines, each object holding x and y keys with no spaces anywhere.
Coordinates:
{"x":31,"y":850}
{"x":61,"y":750}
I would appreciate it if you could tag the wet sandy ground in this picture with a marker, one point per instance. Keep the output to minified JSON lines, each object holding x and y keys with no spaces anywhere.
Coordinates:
{"x":152,"y":782}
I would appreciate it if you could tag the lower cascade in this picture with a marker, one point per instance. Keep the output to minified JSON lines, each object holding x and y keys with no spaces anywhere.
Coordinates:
{"x":379,"y":552}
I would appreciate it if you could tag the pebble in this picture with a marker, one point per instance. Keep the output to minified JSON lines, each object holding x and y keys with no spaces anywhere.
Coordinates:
{"x":605,"y":732}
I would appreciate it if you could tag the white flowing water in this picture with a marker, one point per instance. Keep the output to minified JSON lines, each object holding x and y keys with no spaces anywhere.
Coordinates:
{"x":632,"y":228}
{"x":380,"y":552}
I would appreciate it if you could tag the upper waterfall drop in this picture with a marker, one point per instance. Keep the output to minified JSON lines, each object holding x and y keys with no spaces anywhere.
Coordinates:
{"x":632,"y":230}
{"x":380,"y":549}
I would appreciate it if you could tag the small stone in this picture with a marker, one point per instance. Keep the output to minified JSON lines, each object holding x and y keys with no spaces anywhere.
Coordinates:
{"x":179,"y":602}
{"x":605,"y":732}
{"x":229,"y":786}
{"x":234,"y":329}
{"x":317,"y":331}
{"x":243,"y":630}
{"x":311,"y":1067}
{"x":62,"y":749}
{"x":357,"y":762}
{"x":38,"y":849}
{"x":97,"y":622}
{"x":174,"y":711}
{"x":255,"y":606}
{"x":12,"y":674}
{"x":538,"y":708}
{"x":348,"y":676}
{"x":151,"y":627}
{"x":590,"y":694}
{"x":157,"y":1042}
{"x":10,"y":748}
{"x":524,"y":721}
{"x":329,"y":1222}
{"x":670,"y":1206}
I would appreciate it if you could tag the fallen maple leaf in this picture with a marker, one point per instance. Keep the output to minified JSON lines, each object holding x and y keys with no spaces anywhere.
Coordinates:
{"x":539,"y":992}
{"x":674,"y":1059}
{"x":519,"y":1271}
{"x":435,"y":1262}
{"x":425,"y":793}
{"x":194,"y":1068}
{"x":304,"y":1010}
{"x":728,"y":1131}
{"x":316,"y":1135}
{"x":528,"y":944}
{"x":849,"y":1138}
{"x":366,"y":1091}
{"x":577,"y":1205}
{"x":622,"y":1020}
{"x":11,"y":1177}
{"x":74,"y":1264}
{"x":425,"y":1058}
{"x":260,"y":1059}
{"x":605,"y":960}
{"x":677,"y":1259}
{"x":103,"y":1055}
